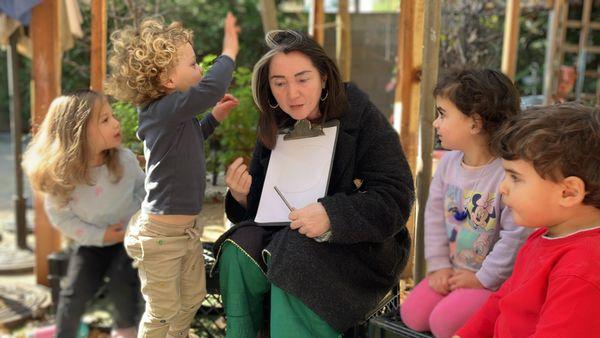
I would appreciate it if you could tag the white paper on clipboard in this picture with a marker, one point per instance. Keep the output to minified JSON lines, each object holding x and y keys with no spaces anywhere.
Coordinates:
{"x":300,"y":168}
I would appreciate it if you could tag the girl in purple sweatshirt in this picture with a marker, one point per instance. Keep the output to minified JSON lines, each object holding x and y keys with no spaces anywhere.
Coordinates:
{"x":471,"y":240}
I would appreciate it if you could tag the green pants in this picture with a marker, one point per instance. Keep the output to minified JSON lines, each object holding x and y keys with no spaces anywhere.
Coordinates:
{"x":244,"y":287}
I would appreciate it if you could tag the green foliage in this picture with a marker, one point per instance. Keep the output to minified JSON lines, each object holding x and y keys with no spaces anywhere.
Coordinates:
{"x":24,"y":73}
{"x":127,"y":115}
{"x":472,"y":33}
{"x":237,"y":133}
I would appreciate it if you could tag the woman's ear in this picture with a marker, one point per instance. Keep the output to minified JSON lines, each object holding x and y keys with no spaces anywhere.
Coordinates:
{"x":323,"y":81}
{"x":573,"y":191}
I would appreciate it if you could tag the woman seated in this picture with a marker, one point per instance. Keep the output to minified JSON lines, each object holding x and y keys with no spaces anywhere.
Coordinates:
{"x":341,"y":254}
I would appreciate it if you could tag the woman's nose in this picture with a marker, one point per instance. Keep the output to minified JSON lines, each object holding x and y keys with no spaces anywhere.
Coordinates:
{"x":292,"y":91}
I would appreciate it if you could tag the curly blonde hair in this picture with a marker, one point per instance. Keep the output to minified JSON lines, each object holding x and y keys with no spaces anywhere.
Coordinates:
{"x":57,"y":158}
{"x":141,"y":58}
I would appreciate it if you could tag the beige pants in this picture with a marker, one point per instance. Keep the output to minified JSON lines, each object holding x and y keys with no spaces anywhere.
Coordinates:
{"x":171,"y":268}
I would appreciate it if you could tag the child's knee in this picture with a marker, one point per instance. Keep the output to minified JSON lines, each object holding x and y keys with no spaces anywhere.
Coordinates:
{"x":444,"y":320}
{"x":419,"y":304}
{"x":193,"y":301}
{"x":160,"y":315}
{"x":413,"y":315}
{"x":443,"y":326}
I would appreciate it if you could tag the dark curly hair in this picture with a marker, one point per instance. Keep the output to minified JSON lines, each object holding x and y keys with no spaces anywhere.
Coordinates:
{"x":485,"y":92}
{"x":560,"y":141}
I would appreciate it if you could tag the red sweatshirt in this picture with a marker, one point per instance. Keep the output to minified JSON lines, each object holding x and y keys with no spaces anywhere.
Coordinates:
{"x":554,"y":291}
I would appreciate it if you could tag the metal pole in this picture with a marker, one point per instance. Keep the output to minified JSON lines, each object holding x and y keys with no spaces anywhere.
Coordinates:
{"x":16,"y":132}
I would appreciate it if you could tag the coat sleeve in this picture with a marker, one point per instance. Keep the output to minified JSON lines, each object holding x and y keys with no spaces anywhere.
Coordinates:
{"x":381,"y":209}
{"x":208,"y":125}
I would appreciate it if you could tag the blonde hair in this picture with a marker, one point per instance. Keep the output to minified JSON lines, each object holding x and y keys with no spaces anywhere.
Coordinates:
{"x":57,"y":158}
{"x":141,"y":58}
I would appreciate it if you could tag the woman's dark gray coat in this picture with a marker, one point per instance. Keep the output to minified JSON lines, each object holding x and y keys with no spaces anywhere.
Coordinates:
{"x":344,"y":279}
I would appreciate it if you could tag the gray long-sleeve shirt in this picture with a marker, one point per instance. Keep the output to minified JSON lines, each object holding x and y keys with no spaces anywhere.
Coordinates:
{"x":92,"y":208}
{"x":174,"y":143}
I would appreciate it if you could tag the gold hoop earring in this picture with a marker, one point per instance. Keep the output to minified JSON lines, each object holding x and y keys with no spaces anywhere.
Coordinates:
{"x":325,"y":97}
{"x":272,"y":106}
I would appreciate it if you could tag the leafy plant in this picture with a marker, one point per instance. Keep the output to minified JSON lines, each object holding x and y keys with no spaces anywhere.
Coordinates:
{"x":236,"y":135}
{"x":127,"y":115}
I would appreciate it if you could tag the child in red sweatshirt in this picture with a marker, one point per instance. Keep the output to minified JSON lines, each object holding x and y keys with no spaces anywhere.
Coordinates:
{"x":551,"y":156}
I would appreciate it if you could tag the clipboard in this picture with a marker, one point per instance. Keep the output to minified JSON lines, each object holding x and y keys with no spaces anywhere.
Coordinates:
{"x":300,"y":167}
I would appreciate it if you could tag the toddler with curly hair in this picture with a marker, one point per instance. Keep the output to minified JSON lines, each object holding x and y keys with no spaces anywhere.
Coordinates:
{"x":154,"y":67}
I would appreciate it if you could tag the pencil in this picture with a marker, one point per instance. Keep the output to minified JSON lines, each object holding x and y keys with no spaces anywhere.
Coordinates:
{"x":287,"y":204}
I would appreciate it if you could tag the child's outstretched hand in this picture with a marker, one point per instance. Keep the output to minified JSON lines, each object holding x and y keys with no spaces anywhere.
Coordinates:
{"x":230,"y":40}
{"x":224,"y":107}
{"x":464,"y":279}
{"x":438,"y":280}
{"x":115,"y":233}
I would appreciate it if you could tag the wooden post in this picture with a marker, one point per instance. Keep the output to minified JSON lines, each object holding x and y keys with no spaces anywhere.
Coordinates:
{"x":317,"y":22}
{"x":406,"y":103}
{"x":268,"y":14}
{"x":551,"y":62}
{"x":98,"y":48}
{"x":583,"y":47}
{"x":46,"y":70}
{"x":429,"y":75}
{"x":510,"y":45}
{"x":16,"y":128}
{"x":343,"y":50}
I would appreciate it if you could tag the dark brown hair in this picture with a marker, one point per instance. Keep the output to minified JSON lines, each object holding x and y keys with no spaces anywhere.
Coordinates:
{"x":485,"y":92}
{"x":560,"y":141}
{"x":286,"y":41}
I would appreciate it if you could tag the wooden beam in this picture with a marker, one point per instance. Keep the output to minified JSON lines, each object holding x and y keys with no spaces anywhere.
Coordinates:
{"x":511,"y":38}
{"x":98,"y":48}
{"x":317,"y":22}
{"x":429,"y":76}
{"x":584,"y":48}
{"x":268,"y":14}
{"x":46,"y":72}
{"x":343,"y":50}
{"x":407,"y":96}
{"x":16,"y":131}
{"x":552,"y":41}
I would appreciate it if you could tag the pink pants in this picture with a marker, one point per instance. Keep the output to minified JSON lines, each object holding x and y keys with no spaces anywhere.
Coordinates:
{"x":427,"y":310}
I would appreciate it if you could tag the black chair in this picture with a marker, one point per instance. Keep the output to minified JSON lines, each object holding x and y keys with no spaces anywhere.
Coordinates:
{"x":388,"y":324}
